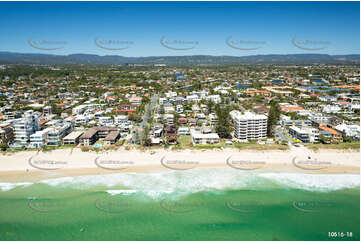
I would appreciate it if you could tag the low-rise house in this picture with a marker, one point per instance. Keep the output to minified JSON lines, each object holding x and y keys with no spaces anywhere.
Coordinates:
{"x":105,"y":121}
{"x":134,"y":100}
{"x":169,"y":108}
{"x":214,"y":98}
{"x":201,"y":138}
{"x":352,"y":131}
{"x":183,"y":131}
{"x":182,"y":121}
{"x":120,"y":119}
{"x":334,"y":121}
{"x":257,"y":92}
{"x":157,"y":130}
{"x":168,"y":119}
{"x":336,"y":137}
{"x":171,"y":134}
{"x":213,"y":118}
{"x":179,"y":108}
{"x":331,"y":109}
{"x":82,"y":120}
{"x":192,"y":122}
{"x":126,"y":108}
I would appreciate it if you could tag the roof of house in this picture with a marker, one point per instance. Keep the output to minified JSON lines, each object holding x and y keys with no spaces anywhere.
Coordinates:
{"x":113,"y":135}
{"x":332,"y":131}
{"x":89,"y":133}
{"x":74,"y":135}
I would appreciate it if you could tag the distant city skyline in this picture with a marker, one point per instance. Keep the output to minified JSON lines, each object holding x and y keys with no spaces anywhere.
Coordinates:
{"x":137,"y":29}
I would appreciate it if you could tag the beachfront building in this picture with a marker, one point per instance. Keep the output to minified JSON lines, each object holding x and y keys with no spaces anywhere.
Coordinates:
{"x":26,"y":126}
{"x":250,"y":126}
{"x":89,"y":137}
{"x":6,"y":133}
{"x":335,"y":136}
{"x":56,"y":134}
{"x":112,"y":137}
{"x":352,"y":131}
{"x":305,"y":134}
{"x":39,"y":138}
{"x":202,"y":138}
{"x":72,"y":138}
{"x":183,"y":131}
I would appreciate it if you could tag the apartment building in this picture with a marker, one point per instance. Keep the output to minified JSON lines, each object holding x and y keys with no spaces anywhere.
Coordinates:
{"x":112,"y":137}
{"x":26,"y":126}
{"x":56,"y":134}
{"x":6,"y":133}
{"x":72,"y":138}
{"x":305,"y":134}
{"x":39,"y":138}
{"x":250,"y":126}
{"x":183,"y":131}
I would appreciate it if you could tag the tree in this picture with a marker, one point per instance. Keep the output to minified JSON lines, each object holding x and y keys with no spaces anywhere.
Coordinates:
{"x":223,"y":127}
{"x":273,"y":118}
{"x":3,"y":146}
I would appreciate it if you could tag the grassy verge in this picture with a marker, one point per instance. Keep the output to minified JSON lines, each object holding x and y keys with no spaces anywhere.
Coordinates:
{"x":340,"y":146}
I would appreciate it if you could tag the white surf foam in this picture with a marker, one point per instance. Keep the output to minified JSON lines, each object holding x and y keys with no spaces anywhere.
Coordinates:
{"x":6,"y":186}
{"x":123,"y":192}
{"x":199,"y":179}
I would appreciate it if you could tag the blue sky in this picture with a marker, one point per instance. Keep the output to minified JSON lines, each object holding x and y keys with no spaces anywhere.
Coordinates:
{"x":187,"y":28}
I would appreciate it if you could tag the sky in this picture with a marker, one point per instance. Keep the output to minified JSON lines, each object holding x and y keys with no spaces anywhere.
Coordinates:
{"x":180,"y":28}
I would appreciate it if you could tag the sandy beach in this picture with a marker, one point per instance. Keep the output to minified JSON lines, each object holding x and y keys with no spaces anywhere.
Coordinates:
{"x":32,"y":165}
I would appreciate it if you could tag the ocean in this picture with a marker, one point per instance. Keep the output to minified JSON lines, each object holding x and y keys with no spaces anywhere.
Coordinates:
{"x":197,"y":204}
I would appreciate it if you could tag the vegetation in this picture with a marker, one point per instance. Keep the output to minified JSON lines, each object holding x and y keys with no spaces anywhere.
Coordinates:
{"x":273,"y":118}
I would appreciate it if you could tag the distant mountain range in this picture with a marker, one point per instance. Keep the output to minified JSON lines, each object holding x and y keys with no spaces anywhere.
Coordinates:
{"x":288,"y":59}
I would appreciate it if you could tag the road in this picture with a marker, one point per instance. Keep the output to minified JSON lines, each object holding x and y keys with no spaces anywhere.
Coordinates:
{"x":145,"y":118}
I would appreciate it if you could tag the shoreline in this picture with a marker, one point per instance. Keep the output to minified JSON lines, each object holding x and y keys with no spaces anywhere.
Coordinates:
{"x":35,"y":166}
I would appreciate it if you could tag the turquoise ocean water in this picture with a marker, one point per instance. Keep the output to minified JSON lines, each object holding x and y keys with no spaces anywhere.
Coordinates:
{"x":199,"y":204}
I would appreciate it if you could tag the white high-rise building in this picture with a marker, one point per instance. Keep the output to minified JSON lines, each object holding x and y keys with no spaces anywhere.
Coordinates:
{"x":26,"y":126}
{"x":250,"y":126}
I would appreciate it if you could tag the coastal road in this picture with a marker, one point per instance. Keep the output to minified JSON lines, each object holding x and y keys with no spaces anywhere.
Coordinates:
{"x":145,"y":118}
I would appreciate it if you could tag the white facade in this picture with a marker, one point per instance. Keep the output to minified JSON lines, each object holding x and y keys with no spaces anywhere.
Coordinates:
{"x":305,"y":134}
{"x":26,"y":126}
{"x":183,"y":131}
{"x":250,"y":126}
{"x":39,"y":138}
{"x":105,"y":121}
{"x":214,"y":98}
{"x":349,"y":130}
{"x":331,"y":109}
{"x":121,"y":119}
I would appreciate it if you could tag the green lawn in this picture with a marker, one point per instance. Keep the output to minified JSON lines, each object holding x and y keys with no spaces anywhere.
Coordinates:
{"x":342,"y":146}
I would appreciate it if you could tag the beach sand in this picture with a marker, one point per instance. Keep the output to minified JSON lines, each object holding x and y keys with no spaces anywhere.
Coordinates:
{"x":34,"y":166}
